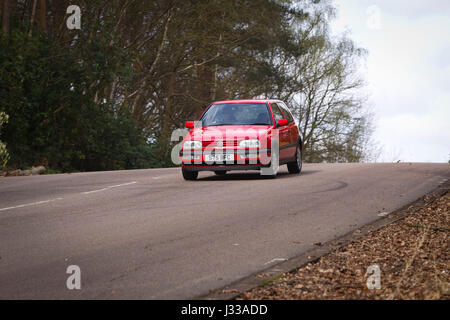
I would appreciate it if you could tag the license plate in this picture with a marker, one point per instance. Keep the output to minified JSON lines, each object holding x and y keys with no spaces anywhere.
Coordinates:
{"x":219,"y":157}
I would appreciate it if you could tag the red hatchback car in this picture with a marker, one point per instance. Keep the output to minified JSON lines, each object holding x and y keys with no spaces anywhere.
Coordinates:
{"x":242,"y":135}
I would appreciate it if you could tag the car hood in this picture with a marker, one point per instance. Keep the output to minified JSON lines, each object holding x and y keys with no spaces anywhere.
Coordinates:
{"x":229,"y":132}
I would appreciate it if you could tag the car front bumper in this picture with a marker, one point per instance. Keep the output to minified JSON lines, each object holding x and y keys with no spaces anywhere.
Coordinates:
{"x":222,"y":167}
{"x":243,"y":159}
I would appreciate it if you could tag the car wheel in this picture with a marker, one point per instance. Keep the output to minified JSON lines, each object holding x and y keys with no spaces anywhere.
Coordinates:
{"x":221,"y":172}
{"x":296,"y":166}
{"x":189,"y":175}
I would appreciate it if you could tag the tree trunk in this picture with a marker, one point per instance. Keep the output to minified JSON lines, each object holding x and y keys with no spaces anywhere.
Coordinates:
{"x":166,"y":117}
{"x":33,"y":13}
{"x":205,"y":81}
{"x":168,"y":108}
{"x":5,"y":18}
{"x":199,"y":89}
{"x":43,"y":15}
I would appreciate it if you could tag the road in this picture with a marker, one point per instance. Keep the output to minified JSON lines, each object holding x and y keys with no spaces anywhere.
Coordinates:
{"x":148,"y":234}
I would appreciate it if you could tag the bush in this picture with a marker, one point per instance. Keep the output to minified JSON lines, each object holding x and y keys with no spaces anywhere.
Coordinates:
{"x":50,"y":93}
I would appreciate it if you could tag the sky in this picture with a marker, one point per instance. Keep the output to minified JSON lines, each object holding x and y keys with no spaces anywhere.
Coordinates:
{"x":407,"y":72}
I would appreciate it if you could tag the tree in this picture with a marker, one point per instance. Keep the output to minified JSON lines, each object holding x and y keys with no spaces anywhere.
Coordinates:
{"x":138,"y":69}
{"x":325,"y":94}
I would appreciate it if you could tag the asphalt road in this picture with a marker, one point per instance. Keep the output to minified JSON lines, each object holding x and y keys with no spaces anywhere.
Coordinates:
{"x":149,"y":234}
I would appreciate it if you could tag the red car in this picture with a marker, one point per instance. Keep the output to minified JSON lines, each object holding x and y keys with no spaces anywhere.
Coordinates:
{"x":242,"y":135}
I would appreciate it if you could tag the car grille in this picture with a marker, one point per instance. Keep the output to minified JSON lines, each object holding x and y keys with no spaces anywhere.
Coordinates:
{"x":219,"y":144}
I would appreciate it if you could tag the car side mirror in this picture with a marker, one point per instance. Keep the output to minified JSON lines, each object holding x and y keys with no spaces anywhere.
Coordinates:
{"x":282,"y":122}
{"x":189,"y":124}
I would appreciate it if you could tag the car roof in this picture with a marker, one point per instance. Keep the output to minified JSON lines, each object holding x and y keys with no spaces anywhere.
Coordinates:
{"x":246,"y":101}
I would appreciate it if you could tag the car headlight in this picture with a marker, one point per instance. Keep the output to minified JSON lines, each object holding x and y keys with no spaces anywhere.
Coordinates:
{"x":249,"y":143}
{"x":192,"y":144}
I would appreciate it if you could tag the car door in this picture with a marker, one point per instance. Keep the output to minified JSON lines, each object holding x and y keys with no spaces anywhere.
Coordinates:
{"x":283,"y":133}
{"x":293,"y":131}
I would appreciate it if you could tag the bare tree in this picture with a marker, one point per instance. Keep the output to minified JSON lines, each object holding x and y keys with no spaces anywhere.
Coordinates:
{"x":328,"y":101}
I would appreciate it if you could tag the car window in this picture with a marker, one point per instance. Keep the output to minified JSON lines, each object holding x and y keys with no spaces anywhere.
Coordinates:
{"x":286,"y":112}
{"x":236,"y":114}
{"x":276,"y":112}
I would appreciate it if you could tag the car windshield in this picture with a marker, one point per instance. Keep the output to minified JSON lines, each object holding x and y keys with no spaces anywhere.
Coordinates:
{"x":236,"y":114}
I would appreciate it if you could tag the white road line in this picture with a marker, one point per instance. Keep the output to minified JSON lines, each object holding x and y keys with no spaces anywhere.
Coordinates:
{"x":275,"y":260}
{"x":47,"y":201}
{"x":110,"y":187}
{"x":164,"y":176}
{"x":30,"y":204}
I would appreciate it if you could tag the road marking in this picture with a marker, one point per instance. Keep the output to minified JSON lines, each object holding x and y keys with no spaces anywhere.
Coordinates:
{"x":164,"y":176}
{"x":30,"y":204}
{"x":383,"y":214}
{"x":275,"y":260}
{"x":47,"y":201}
{"x":110,"y":187}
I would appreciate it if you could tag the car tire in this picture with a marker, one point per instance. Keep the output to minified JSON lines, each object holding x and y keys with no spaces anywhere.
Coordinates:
{"x":189,"y":175}
{"x":296,"y":166}
{"x":220,"y":173}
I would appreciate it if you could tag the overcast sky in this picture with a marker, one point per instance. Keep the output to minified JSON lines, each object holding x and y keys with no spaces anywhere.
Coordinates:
{"x":408,"y":73}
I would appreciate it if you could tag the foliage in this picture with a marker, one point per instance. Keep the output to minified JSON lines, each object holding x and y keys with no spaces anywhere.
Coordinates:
{"x":109,"y":95}
{"x":55,"y":117}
